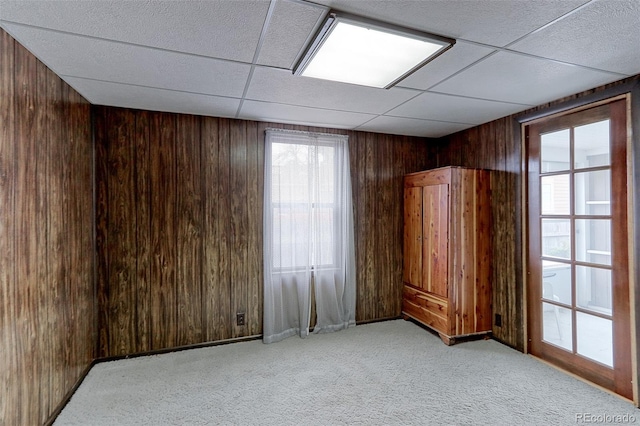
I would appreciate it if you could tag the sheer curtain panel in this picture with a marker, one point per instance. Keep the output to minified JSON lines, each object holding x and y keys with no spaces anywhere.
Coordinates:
{"x":308,"y":234}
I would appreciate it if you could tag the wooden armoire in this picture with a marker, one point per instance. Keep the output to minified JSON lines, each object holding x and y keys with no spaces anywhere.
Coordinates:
{"x":447,"y":251}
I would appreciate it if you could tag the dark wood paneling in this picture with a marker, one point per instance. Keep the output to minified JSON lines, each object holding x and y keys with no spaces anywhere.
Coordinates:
{"x":211,"y":247}
{"x":224,"y":231}
{"x":162,"y":176}
{"x":191,"y":199}
{"x":490,"y":146}
{"x":8,"y":363}
{"x":143,"y":233}
{"x":47,"y":326}
{"x":189,"y":230}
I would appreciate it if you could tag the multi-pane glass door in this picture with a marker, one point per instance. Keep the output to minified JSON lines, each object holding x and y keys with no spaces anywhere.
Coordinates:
{"x":578,"y":262}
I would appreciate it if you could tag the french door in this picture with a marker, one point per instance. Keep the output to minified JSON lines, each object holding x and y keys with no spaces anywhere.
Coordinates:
{"x":578,"y":287}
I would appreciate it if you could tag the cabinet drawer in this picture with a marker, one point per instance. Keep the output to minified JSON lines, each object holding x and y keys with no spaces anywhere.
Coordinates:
{"x":426,"y":308}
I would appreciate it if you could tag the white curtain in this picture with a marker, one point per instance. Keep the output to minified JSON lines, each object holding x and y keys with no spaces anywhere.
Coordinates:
{"x":308,"y":234}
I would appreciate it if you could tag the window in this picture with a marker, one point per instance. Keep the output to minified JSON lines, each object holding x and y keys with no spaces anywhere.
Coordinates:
{"x":308,"y":234}
{"x":303,"y":203}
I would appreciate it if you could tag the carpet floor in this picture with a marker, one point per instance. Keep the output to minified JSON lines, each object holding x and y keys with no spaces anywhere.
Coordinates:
{"x":388,"y":373}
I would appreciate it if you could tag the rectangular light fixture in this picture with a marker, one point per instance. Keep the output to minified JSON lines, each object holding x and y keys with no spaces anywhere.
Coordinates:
{"x":357,"y":50}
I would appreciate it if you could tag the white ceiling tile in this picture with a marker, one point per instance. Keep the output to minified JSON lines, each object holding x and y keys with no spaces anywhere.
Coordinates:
{"x":265,"y":111}
{"x":281,"y":86}
{"x":290,"y":26}
{"x":412,"y":127}
{"x":510,"y":77}
{"x":221,"y":29}
{"x":494,"y":22}
{"x":613,"y":28}
{"x":124,"y":63}
{"x":433,"y":106}
{"x":453,"y":60}
{"x":122,"y":95}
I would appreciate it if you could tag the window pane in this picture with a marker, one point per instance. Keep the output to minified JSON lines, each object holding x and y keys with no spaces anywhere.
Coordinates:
{"x":290,"y":173}
{"x":593,"y":241}
{"x":323,"y":236}
{"x":556,"y":238}
{"x":290,"y":237}
{"x":554,"y":151}
{"x":555,"y":194}
{"x":593,"y":289}
{"x":591,"y":145}
{"x":303,"y":193}
{"x":325,"y":174}
{"x":595,"y":338}
{"x":556,"y":281}
{"x":556,"y":326}
{"x":593,"y":193}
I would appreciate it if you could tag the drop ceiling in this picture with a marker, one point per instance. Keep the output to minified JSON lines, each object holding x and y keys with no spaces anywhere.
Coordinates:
{"x":233,"y":58}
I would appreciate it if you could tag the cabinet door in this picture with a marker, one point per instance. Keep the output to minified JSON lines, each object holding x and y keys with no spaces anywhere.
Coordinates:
{"x":436,"y":239}
{"x":412,"y":270}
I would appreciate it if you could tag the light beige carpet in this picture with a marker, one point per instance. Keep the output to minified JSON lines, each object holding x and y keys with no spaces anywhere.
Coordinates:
{"x":390,"y":373}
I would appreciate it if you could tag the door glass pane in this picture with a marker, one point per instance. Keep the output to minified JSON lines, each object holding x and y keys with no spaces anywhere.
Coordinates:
{"x":555,"y":194}
{"x":554,"y":151}
{"x":556,"y":238}
{"x":591,"y":145}
{"x":556,"y":326}
{"x":556,"y":281}
{"x":593,"y":193}
{"x":593,"y":241}
{"x":593,"y":289}
{"x":595,"y":338}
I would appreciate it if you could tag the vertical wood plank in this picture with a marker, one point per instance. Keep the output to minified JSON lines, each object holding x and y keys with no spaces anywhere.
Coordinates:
{"x":360,"y":223}
{"x":413,"y":238}
{"x":225,"y":231}
{"x":211,"y":281}
{"x":45,"y":133}
{"x":84,"y":313}
{"x":384,"y":238}
{"x":102,"y":219}
{"x":189,"y":230}
{"x":483,"y":318}
{"x":163,"y":227}
{"x":143,"y":247}
{"x":396,"y":228}
{"x":370,"y":226}
{"x":26,"y":241}
{"x":8,"y":356}
{"x":239,"y":223}
{"x":435,"y":205}
{"x":62,"y":246}
{"x":121,"y":228}
{"x":254,"y":230}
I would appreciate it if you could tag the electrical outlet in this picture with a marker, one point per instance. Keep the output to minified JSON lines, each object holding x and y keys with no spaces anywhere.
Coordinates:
{"x":498,"y":320}
{"x":240,"y":318}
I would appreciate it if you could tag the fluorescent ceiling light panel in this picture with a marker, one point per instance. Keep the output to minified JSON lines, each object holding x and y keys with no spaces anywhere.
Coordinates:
{"x":356,"y":50}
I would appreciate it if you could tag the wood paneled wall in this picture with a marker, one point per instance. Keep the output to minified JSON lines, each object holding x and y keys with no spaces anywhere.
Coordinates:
{"x":179,"y":226}
{"x":47,"y":325}
{"x":497,"y":146}
{"x":492,"y":146}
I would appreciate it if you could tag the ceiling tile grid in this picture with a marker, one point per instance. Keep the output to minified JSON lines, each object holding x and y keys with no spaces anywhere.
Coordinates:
{"x":131,"y":64}
{"x":517,"y":78}
{"x":612,"y":28}
{"x":233,"y":58}
{"x":137,"y":97}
